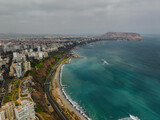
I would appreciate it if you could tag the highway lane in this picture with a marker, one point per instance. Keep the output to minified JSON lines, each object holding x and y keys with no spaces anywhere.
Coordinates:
{"x":38,"y":116}
{"x":53,"y":103}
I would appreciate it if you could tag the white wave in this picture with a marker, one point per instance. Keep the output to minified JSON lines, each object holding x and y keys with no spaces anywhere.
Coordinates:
{"x":134,"y":117}
{"x":69,"y":61}
{"x":60,"y":75}
{"x":127,"y":118}
{"x":104,"y":62}
{"x":73,"y":103}
{"x":131,"y":117}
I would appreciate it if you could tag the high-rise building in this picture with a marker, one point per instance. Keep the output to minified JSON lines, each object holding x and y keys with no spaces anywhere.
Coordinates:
{"x":8,"y":110}
{"x":27,"y":66}
{"x":25,"y":111}
{"x":18,"y":69}
{"x":2,"y":115}
{"x":18,"y":57}
{"x":1,"y":77}
{"x":15,"y":54}
{"x":39,"y":48}
{"x":40,"y":55}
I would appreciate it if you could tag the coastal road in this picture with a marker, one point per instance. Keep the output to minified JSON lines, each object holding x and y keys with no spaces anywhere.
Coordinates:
{"x":39,"y":116}
{"x":53,"y":103}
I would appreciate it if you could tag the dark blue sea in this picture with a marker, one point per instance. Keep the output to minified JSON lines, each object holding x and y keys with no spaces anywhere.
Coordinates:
{"x":115,"y":79}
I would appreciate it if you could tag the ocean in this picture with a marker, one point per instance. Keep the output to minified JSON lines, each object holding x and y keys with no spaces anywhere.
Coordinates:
{"x":115,"y":79}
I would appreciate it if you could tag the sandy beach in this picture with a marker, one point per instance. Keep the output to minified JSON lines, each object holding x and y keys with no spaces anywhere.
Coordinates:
{"x":70,"y":109}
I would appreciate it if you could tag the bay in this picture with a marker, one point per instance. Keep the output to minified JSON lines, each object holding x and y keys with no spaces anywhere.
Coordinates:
{"x":116,"y":78}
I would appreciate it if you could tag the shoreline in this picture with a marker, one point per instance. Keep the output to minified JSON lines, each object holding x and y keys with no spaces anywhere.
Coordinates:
{"x":61,"y":96}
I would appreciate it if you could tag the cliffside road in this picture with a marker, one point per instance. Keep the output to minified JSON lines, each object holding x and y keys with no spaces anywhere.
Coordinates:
{"x":53,"y":103}
{"x":39,"y":116}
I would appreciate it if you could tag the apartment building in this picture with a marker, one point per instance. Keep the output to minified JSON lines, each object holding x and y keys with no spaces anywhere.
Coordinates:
{"x":7,"y":111}
{"x":25,"y":111}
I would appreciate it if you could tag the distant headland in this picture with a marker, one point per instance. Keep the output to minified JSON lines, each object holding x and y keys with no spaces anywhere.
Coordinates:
{"x":120,"y":36}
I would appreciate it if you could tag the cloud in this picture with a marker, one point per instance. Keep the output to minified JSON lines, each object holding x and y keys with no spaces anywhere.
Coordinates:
{"x":79,"y":16}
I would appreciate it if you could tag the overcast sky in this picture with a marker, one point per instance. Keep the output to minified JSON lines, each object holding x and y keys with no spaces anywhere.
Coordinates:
{"x":79,"y":16}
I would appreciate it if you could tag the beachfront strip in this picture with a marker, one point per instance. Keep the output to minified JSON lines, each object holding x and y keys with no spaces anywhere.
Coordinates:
{"x":72,"y":110}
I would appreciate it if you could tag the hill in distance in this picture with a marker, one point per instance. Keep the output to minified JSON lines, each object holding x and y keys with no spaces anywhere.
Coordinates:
{"x":120,"y":36}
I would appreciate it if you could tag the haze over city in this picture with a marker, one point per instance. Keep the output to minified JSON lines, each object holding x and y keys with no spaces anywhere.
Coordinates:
{"x":79,"y":16}
{"x":79,"y":60}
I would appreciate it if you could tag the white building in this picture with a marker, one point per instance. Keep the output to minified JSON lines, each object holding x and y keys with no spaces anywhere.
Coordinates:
{"x":18,"y":57}
{"x":1,"y":77}
{"x":30,"y":50}
{"x":39,"y":48}
{"x":18,"y":69}
{"x":27,"y":66}
{"x":8,"y":110}
{"x":2,"y":115}
{"x":40,"y":55}
{"x":15,"y":54}
{"x":25,"y":52}
{"x":25,"y":111}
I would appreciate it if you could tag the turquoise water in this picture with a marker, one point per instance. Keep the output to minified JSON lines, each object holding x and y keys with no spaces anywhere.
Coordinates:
{"x":128,"y":84}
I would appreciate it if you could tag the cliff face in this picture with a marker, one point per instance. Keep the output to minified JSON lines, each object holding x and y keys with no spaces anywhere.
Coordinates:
{"x":120,"y":36}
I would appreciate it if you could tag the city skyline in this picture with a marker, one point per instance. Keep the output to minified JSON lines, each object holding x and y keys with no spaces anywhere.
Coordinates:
{"x":79,"y":17}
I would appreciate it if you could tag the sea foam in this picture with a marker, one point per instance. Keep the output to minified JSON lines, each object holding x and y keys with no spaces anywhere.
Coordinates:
{"x":73,"y":103}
